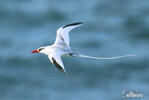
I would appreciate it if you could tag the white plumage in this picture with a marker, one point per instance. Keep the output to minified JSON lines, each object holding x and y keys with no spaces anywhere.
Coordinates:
{"x":61,"y":48}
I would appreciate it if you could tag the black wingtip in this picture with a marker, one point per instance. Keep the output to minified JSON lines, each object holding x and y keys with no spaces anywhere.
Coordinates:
{"x":73,"y":24}
{"x":58,"y":66}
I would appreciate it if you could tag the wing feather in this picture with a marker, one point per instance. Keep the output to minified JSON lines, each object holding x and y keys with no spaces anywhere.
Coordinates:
{"x":63,"y":32}
{"x":56,"y":60}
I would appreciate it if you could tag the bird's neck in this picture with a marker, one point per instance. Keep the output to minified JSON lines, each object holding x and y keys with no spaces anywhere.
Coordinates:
{"x":46,"y":50}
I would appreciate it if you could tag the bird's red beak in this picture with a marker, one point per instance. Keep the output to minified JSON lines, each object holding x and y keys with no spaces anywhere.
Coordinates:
{"x":35,"y":51}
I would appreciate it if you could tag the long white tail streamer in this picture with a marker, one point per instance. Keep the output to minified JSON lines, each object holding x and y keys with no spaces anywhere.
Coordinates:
{"x":104,"y":58}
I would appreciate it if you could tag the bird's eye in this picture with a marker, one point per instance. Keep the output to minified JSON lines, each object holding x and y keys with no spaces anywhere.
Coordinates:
{"x":40,"y":49}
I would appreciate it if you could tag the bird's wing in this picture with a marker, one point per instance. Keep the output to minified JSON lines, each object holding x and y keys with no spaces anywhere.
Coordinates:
{"x":56,"y":60}
{"x":63,"y":32}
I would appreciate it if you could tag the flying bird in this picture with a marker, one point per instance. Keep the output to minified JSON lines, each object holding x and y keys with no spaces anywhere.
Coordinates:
{"x":61,"y":48}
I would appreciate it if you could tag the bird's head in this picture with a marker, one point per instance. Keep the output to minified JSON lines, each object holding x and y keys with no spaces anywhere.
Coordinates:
{"x":40,"y":50}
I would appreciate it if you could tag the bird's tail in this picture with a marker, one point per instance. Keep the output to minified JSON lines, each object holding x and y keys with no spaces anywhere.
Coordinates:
{"x":103,"y":58}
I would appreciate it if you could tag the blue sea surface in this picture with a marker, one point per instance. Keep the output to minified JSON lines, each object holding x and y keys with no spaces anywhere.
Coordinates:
{"x":111,"y":28}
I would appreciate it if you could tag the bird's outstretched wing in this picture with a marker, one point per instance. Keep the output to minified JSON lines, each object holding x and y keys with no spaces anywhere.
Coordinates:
{"x":63,"y":32}
{"x":56,"y":60}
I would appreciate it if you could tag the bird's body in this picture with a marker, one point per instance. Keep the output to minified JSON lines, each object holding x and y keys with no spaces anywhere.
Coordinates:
{"x":61,"y":48}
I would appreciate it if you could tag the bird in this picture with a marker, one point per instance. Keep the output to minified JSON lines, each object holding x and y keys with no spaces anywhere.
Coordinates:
{"x":61,"y":48}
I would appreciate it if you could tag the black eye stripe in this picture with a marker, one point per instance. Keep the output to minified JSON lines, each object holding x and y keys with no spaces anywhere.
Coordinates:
{"x":41,"y":49}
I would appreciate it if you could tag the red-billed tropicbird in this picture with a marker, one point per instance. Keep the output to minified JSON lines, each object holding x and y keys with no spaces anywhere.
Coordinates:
{"x":61,"y":48}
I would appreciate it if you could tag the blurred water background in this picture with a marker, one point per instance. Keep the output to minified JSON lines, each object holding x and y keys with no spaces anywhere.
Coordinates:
{"x":111,"y":28}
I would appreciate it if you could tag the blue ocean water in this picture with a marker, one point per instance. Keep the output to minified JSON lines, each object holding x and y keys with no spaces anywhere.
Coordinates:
{"x":111,"y":28}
